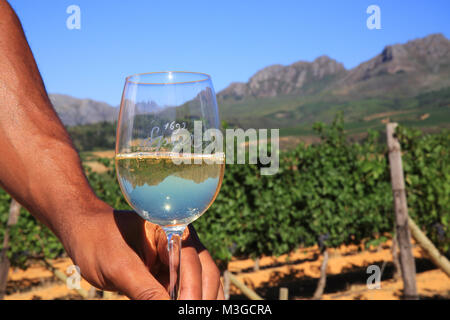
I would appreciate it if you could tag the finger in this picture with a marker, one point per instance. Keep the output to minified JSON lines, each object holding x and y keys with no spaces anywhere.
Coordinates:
{"x":156,"y":246}
{"x":191,"y":275}
{"x":132,"y":277}
{"x":156,"y":240}
{"x":163,"y":276}
{"x":220,"y":293}
{"x":210,"y":272}
{"x":210,"y":276}
{"x":190,"y":238}
{"x":142,"y":236}
{"x":127,"y":271}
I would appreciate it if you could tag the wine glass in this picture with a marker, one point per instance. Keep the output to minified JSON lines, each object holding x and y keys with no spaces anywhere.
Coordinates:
{"x":166,"y":170}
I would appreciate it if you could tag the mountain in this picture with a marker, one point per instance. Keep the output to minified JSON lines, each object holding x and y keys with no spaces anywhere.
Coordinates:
{"x":392,"y":83}
{"x":407,"y":82}
{"x":426,"y":61}
{"x":417,"y":66}
{"x":298,"y":78}
{"x":73,"y":111}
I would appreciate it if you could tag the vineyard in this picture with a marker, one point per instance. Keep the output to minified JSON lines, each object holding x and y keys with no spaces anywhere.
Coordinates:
{"x":331,"y":194}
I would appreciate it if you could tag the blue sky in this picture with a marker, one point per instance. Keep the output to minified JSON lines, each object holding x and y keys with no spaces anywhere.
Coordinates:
{"x":230,"y":40}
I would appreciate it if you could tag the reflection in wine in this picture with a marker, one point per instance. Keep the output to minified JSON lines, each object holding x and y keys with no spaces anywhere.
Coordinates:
{"x":167,"y":193}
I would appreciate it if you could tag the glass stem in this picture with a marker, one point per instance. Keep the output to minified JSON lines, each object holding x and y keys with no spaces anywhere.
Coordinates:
{"x":174,"y":250}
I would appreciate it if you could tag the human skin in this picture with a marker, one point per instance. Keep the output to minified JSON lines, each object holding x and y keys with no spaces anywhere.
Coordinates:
{"x":41,"y":169}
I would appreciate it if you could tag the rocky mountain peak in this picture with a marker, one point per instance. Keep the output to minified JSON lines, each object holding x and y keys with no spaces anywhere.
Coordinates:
{"x":278,"y":79}
{"x":420,"y":55}
{"x":428,"y":56}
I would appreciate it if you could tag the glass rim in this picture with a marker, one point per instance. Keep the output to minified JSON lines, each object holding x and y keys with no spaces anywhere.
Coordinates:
{"x":128,"y":79}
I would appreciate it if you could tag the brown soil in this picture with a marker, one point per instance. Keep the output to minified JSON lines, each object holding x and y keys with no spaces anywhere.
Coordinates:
{"x":97,"y":166}
{"x":290,"y":142}
{"x":384,"y":114}
{"x":346,"y":275}
{"x":298,"y":272}
{"x":104,"y":154}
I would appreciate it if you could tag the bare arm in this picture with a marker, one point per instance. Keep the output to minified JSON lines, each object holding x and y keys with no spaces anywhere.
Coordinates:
{"x":38,"y":159}
{"x":41,"y":169}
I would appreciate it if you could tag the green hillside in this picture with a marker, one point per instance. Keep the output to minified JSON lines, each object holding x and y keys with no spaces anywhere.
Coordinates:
{"x":295,"y":115}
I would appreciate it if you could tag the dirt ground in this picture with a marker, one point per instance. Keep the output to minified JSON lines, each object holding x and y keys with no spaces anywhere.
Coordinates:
{"x":346,"y":275}
{"x":299,"y":272}
{"x":94,"y":165}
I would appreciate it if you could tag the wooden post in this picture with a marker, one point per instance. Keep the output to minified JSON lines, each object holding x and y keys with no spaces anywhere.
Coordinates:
{"x":14,"y":210}
{"x":92,"y":292}
{"x":438,"y":259}
{"x":323,"y":277}
{"x":226,"y":284}
{"x":252,"y":295}
{"x":395,"y":259}
{"x":63,"y":277}
{"x":256,"y":265}
{"x":407,"y":262}
{"x":284,"y":293}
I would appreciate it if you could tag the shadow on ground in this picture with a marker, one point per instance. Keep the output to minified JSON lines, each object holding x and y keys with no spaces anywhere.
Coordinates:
{"x":303,"y":287}
{"x":26,"y":284}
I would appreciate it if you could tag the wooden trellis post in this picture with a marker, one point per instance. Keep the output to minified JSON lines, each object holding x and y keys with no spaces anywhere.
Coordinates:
{"x":226,"y":284}
{"x":284,"y":294}
{"x":252,"y":295}
{"x":407,"y":262}
{"x":14,"y":210}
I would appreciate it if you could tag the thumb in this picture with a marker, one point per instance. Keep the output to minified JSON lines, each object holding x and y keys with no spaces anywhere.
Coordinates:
{"x":133,"y":279}
{"x":129,"y":273}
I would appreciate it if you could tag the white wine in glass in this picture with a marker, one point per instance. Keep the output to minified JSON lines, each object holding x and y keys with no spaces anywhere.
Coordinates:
{"x":168,"y":188}
{"x":166,"y":193}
